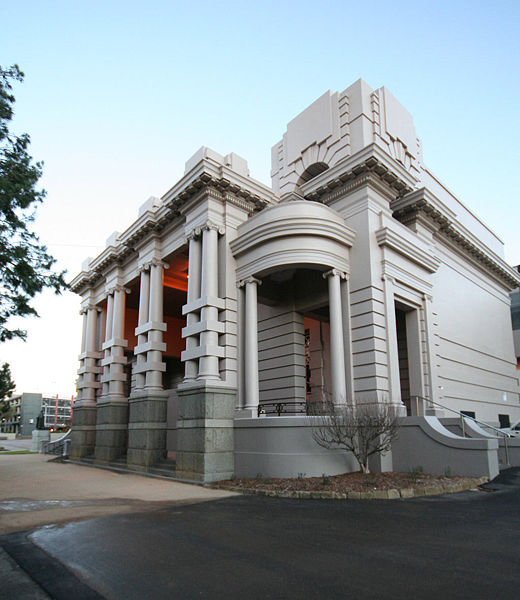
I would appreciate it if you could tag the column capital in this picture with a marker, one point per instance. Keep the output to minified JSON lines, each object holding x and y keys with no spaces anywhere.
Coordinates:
{"x":118,"y":288}
{"x":85,"y":309}
{"x":333,"y":273}
{"x":389,"y":278}
{"x":154,"y":262}
{"x":208,"y":225}
{"x":427,"y":297}
{"x":242,"y":282}
{"x":194,"y":234}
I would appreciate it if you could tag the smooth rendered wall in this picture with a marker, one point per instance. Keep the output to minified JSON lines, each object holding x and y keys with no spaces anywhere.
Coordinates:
{"x":476,"y":362}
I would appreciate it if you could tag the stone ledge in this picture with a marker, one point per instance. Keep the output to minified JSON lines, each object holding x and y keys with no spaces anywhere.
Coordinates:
{"x":391,"y":494}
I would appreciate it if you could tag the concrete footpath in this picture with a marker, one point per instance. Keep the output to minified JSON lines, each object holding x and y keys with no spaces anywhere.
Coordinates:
{"x":35,"y":491}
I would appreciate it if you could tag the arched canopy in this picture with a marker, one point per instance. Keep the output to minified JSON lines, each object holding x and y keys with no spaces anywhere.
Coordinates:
{"x":312,"y":171}
{"x":294,"y":233}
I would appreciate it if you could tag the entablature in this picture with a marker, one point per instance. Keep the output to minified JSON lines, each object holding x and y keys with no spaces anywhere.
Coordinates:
{"x":422,"y":203}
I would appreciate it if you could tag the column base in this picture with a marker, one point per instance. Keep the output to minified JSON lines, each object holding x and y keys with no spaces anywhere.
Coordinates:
{"x":205,"y":442}
{"x":111,"y":429}
{"x":147,"y":429}
{"x":83,"y":436}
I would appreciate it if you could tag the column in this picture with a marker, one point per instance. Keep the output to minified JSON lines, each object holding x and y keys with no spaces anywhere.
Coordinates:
{"x":108,"y":337}
{"x":142,"y":338}
{"x":155,"y":366}
{"x":91,"y":368}
{"x":337,"y":350}
{"x":241,"y":307}
{"x":117,"y":374}
{"x":81,"y":377}
{"x":251,"y":344}
{"x":208,"y":362}
{"x":194,"y":289}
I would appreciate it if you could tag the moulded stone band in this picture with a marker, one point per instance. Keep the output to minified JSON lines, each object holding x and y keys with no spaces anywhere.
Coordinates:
{"x":201,"y":326}
{"x":150,"y":326}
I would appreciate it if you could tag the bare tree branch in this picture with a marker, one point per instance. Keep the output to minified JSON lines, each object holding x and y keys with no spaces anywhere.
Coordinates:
{"x":364,"y":430}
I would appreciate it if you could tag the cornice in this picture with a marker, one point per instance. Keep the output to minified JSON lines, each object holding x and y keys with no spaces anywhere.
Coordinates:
{"x":207,"y":179}
{"x":343,"y":177}
{"x":422,"y":203}
{"x":398,"y":243}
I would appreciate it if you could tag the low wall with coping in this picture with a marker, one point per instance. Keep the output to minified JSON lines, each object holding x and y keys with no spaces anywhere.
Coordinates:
{"x":284,"y":447}
{"x":510,"y":457}
{"x":424,"y":441}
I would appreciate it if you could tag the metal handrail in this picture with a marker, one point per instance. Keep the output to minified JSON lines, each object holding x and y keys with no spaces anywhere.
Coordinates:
{"x":59,"y":446}
{"x":462,"y":416}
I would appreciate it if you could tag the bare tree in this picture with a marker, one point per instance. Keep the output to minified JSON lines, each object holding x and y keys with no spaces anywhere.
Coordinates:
{"x":364,"y":429}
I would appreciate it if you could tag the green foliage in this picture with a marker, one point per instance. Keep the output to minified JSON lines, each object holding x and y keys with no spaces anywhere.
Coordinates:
{"x":416,"y":472}
{"x":25,"y":265}
{"x":6,"y":389}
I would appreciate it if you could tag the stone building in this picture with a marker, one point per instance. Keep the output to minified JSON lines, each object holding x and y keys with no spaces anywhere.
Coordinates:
{"x":228,"y":307}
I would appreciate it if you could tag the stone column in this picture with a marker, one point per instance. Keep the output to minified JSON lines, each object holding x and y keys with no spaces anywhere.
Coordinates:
{"x":108,"y":337}
{"x":112,"y":413}
{"x":144,"y":307}
{"x":79,"y":385}
{"x":251,"y":345}
{"x":156,"y":347}
{"x":337,"y":350}
{"x":85,"y":412}
{"x":208,"y":362}
{"x":148,"y":404}
{"x":117,"y":374}
{"x":206,"y":404}
{"x":241,"y":340}
{"x":347,"y":338}
{"x":194,"y":289}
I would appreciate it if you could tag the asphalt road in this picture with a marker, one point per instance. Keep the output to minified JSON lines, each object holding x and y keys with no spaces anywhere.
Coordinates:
{"x":465,"y":545}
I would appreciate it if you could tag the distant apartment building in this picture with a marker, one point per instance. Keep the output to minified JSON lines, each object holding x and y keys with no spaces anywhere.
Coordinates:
{"x":26,"y":407}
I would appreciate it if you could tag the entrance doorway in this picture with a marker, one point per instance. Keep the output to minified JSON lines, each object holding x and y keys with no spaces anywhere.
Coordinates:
{"x":409,"y":356}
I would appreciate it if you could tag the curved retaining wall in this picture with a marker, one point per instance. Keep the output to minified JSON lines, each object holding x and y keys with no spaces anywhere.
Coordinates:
{"x":424,"y":441}
{"x":472,"y":429}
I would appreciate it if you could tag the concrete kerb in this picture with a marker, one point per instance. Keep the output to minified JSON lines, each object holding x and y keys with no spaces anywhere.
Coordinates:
{"x":391,"y":494}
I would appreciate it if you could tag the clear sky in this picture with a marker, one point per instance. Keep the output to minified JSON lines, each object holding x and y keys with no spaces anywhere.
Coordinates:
{"x":118,"y":95}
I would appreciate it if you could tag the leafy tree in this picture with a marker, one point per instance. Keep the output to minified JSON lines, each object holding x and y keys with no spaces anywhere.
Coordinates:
{"x":6,"y":389}
{"x":25,"y":265}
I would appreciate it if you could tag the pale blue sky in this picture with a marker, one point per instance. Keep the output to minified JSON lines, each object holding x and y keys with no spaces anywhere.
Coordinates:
{"x":118,"y":95}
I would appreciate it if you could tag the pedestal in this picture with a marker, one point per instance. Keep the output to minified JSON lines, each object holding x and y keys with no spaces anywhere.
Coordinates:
{"x":38,"y":436}
{"x":205,"y":442}
{"x":147,"y":429}
{"x":111,"y":429}
{"x":83,"y":437}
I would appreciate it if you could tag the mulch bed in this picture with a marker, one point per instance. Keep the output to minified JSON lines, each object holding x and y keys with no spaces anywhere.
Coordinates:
{"x":353,"y":483}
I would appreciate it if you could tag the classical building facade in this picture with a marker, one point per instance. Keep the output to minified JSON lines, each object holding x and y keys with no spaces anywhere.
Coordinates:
{"x":228,"y":307}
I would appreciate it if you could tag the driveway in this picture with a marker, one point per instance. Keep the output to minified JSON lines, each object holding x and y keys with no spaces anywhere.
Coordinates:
{"x":459,"y":546}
